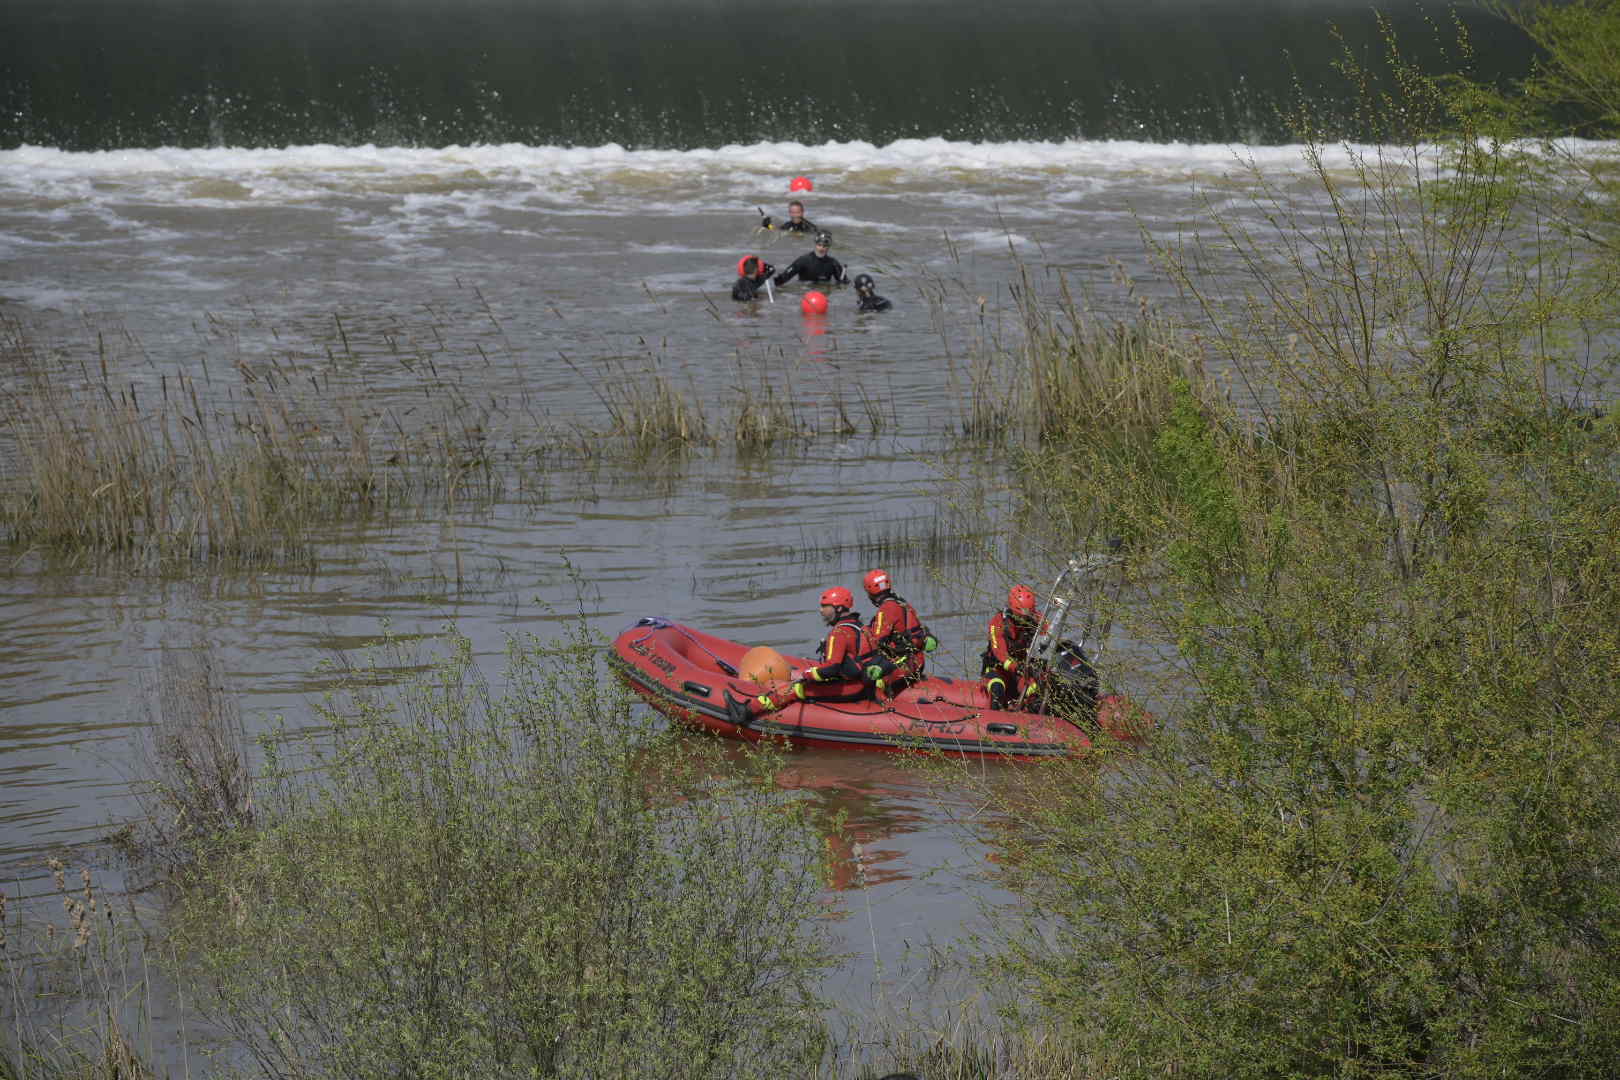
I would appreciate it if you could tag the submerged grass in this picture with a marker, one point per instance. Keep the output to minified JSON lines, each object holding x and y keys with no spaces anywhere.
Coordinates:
{"x":247,"y":468}
{"x":244,"y":463}
{"x":172,"y":474}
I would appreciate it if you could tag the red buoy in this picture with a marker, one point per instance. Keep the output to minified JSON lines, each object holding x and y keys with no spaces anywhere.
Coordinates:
{"x":801,"y":183}
{"x":814,"y":303}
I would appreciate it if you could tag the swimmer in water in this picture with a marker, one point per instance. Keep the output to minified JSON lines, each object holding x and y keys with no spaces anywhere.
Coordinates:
{"x":866,"y":289}
{"x":816,"y":266}
{"x":752,"y":273}
{"x":796,"y":221}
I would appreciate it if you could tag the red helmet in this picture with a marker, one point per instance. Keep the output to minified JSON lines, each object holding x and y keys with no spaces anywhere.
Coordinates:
{"x":743,"y":268}
{"x":838,"y":596}
{"x":877,"y":581}
{"x":1021,"y":600}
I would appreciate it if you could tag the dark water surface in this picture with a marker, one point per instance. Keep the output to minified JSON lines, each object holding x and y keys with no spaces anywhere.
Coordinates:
{"x":683,"y":74}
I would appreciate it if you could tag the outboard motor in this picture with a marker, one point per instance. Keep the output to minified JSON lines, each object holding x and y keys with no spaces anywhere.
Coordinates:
{"x":1072,"y":685}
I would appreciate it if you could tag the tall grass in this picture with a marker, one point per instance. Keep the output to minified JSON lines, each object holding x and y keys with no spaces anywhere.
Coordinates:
{"x":1066,"y":376}
{"x":171,"y":475}
{"x":247,"y":468}
{"x":193,"y":782}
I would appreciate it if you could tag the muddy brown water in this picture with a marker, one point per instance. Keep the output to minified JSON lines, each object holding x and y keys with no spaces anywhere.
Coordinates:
{"x":527,"y":273}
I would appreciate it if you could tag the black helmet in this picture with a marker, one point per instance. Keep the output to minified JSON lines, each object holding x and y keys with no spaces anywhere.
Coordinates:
{"x":824,"y":237}
{"x":864,"y":284}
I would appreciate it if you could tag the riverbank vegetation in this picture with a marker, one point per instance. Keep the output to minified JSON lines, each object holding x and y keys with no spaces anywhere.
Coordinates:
{"x":1378,"y":833}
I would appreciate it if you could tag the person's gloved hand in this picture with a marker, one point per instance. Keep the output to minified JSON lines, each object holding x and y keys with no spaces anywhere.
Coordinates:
{"x":875,"y":673}
{"x":930,"y":643}
{"x":766,"y":270}
{"x":765,"y":222}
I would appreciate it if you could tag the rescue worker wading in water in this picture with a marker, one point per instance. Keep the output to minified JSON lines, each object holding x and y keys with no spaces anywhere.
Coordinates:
{"x":837,"y":677}
{"x":1007,"y":653}
{"x":901,"y":641}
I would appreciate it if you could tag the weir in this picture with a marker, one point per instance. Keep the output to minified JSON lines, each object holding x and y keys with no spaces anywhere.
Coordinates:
{"x":98,"y":74}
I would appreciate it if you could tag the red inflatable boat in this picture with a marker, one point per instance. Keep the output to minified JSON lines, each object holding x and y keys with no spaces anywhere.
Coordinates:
{"x":684,"y":674}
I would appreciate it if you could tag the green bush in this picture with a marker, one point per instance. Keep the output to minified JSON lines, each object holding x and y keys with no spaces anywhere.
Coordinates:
{"x":539,"y":882}
{"x":1377,"y":832}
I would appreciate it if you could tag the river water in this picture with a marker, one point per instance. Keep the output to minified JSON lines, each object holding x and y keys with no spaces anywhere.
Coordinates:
{"x":527,"y":272}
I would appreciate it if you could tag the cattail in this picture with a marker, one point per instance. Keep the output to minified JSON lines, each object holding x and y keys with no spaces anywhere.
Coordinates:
{"x":84,"y":875}
{"x":2,"y":921}
{"x":81,"y":925}
{"x":56,"y":874}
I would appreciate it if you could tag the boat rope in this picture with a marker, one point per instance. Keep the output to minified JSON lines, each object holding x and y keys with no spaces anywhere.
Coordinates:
{"x":664,"y":622}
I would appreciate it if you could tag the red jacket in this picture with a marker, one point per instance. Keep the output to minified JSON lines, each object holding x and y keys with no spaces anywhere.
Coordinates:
{"x":1009,"y":640}
{"x":847,"y":641}
{"x":895,"y":628}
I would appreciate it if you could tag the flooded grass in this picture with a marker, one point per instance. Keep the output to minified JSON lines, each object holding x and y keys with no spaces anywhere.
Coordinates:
{"x":945,"y":537}
{"x":245,"y":457}
{"x":1062,"y":374}
{"x":648,"y":411}
{"x":103,"y":454}
{"x":75,"y":995}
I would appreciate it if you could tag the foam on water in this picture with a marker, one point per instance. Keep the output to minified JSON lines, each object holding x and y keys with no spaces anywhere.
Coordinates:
{"x":754,"y":167}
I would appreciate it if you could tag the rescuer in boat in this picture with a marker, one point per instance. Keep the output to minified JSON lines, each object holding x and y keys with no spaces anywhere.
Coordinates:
{"x":752,"y":271}
{"x":796,"y":221}
{"x":1006,"y":656}
{"x":815,"y":266}
{"x":866,"y":289}
{"x":901,"y":643}
{"x":837,"y":677}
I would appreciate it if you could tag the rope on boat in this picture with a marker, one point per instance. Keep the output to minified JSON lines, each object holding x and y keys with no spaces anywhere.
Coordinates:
{"x":664,"y":622}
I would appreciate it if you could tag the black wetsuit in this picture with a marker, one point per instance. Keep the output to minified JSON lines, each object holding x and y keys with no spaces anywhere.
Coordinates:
{"x":814,"y":268}
{"x":749,"y":288}
{"x":873,"y":303}
{"x":789,"y":225}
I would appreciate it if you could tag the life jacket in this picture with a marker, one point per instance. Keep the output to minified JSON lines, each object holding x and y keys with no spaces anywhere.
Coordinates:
{"x":903,"y":632}
{"x":858,"y":646}
{"x":1016,"y":635}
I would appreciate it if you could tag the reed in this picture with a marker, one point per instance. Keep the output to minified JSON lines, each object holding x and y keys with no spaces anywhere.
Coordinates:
{"x":1104,"y":381}
{"x":373,"y":421}
{"x":648,"y":411}
{"x":173,"y":474}
{"x":75,"y":994}
{"x":763,"y":416}
{"x":195,"y":788}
